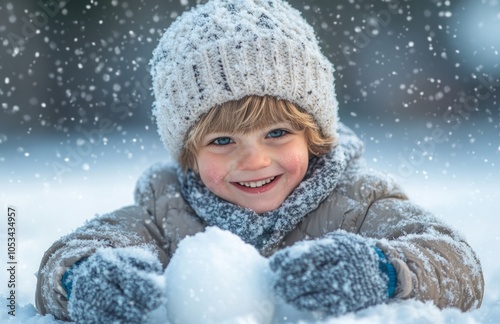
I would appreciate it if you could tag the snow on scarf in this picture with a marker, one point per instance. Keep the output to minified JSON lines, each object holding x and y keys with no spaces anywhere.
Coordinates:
{"x":265,"y":230}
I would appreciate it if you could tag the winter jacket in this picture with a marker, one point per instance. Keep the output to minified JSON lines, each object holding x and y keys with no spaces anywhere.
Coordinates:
{"x":432,"y":260}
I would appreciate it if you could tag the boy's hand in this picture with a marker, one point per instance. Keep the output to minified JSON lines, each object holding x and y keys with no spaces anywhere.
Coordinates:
{"x":115,"y":285}
{"x":335,"y":275}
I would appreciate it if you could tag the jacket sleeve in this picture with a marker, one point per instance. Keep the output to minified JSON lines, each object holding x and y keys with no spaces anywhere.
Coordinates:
{"x":159,"y":219}
{"x":433,"y":261}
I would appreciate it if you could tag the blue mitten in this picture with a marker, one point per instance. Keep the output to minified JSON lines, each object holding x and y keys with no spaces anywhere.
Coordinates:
{"x":114,"y":285}
{"x":335,"y":275}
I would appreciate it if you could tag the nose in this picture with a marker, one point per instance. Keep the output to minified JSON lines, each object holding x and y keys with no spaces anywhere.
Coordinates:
{"x":253,"y":158}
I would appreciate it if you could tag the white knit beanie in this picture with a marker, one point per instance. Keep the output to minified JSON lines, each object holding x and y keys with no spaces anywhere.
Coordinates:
{"x":227,"y":49}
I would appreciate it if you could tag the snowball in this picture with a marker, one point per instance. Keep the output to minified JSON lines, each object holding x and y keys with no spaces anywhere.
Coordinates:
{"x":214,"y":277}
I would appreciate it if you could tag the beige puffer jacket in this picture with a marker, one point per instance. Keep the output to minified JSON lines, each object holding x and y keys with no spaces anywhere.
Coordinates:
{"x":433,"y":262}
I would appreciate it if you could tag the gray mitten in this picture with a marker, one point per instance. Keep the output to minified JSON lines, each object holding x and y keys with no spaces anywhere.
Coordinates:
{"x":335,"y":275}
{"x":114,"y":285}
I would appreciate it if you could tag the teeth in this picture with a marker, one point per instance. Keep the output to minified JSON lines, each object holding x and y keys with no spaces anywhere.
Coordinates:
{"x":256,"y":184}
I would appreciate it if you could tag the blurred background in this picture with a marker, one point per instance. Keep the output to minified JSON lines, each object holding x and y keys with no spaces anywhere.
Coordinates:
{"x":417,"y":80}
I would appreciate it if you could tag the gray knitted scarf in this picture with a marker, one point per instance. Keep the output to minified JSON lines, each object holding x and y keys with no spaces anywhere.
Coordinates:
{"x":265,"y":230}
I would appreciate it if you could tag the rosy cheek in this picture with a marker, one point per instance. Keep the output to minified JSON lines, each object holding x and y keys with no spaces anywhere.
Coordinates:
{"x":296,"y":163}
{"x":211,"y":174}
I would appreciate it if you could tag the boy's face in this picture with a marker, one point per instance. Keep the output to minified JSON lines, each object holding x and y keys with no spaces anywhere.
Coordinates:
{"x":256,"y":170}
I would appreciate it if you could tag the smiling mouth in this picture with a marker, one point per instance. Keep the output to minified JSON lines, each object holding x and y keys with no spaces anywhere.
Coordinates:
{"x":257,"y":184}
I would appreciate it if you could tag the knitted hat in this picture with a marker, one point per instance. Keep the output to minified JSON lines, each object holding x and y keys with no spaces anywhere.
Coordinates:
{"x":227,"y":49}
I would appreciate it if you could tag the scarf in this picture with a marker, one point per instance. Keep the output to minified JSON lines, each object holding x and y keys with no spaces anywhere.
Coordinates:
{"x":265,"y":230}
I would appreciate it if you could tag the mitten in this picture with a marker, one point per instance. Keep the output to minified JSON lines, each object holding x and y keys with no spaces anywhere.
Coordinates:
{"x":114,"y":285}
{"x":334,"y":275}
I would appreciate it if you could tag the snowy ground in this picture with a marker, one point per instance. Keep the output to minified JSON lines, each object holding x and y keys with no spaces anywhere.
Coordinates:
{"x":463,"y":189}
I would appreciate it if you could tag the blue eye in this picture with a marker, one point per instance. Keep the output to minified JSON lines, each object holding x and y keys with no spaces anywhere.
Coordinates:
{"x":222,"y":141}
{"x":276,"y":133}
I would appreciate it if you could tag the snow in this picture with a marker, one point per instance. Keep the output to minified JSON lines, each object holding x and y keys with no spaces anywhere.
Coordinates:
{"x":48,"y":209}
{"x":197,"y":292}
{"x":54,"y":74}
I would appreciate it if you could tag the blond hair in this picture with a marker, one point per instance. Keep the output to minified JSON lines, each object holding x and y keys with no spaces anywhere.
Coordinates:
{"x":251,"y":113}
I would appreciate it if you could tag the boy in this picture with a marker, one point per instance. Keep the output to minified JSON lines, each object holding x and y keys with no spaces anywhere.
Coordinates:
{"x":245,"y":102}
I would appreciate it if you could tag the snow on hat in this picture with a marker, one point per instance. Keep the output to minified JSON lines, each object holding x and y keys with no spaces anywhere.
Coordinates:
{"x":225,"y":50}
